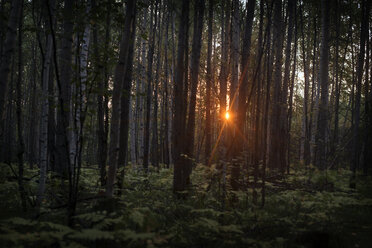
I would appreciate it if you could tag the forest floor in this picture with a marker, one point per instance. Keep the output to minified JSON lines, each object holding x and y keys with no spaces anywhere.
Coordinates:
{"x":300,"y":211}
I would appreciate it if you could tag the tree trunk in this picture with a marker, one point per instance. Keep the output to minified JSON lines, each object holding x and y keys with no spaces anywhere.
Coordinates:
{"x":120,"y":72}
{"x":284,"y":98}
{"x":43,"y":164}
{"x":194,"y":74}
{"x":275,"y":156}
{"x":102,"y":130}
{"x":243,"y":89}
{"x":209,"y":78}
{"x":63,"y":116}
{"x":6,"y":56}
{"x":150,"y":59}
{"x":356,"y":132}
{"x":178,"y":130}
{"x":305,"y":119}
{"x":320,"y":152}
{"x":21,"y":144}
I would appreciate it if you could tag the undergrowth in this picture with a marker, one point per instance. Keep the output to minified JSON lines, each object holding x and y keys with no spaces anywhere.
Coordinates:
{"x":300,"y":211}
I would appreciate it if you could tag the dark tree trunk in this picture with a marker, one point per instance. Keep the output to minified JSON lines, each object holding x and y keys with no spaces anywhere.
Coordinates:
{"x":194,"y":74}
{"x":356,"y":131}
{"x":155,"y":137}
{"x":209,"y":78}
{"x":21,"y":144}
{"x":243,"y":89}
{"x":63,"y":116}
{"x":305,"y":119}
{"x":334,"y":144}
{"x":101,"y":96}
{"x":284,"y":98}
{"x":178,"y":130}
{"x":276,"y":158}
{"x":321,"y":136}
{"x":150,"y":59}
{"x":6,"y":56}
{"x":120,"y":72}
{"x":125,"y":98}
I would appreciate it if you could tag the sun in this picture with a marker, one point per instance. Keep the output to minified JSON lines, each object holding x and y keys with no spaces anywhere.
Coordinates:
{"x":227,"y":115}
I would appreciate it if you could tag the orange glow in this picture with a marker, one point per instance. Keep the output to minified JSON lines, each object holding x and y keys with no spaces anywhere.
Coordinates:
{"x":227,"y":115}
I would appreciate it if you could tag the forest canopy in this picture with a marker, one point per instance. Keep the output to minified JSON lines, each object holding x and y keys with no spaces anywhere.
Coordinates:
{"x":176,"y":123}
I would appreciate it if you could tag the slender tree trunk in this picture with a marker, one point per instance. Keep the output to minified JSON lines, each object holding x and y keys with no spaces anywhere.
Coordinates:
{"x":334,"y":144}
{"x":178,"y":130}
{"x":257,"y":144}
{"x":6,"y":56}
{"x":194,"y":75}
{"x":43,"y":164}
{"x":21,"y":144}
{"x":166,"y":93}
{"x":63,"y":116}
{"x":32,"y":158}
{"x":367,"y":107}
{"x":120,"y":73}
{"x":155,"y":139}
{"x":284,"y":98}
{"x":320,"y":153}
{"x":276,"y":157}
{"x":102,"y":130}
{"x":150,"y":59}
{"x":356,"y":131}
{"x":290,"y":110}
{"x":305,"y":119}
{"x":269,"y":64}
{"x":243,"y":88}
{"x":209,"y":78}
{"x":141,"y":132}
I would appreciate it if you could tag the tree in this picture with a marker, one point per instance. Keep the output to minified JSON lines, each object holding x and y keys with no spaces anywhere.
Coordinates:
{"x":356,"y":133}
{"x":209,"y":79}
{"x":6,"y":56}
{"x":179,"y":183}
{"x":194,"y":74}
{"x":120,"y":74}
{"x":320,"y":153}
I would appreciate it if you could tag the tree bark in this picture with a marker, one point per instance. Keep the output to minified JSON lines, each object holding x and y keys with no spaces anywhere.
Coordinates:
{"x":320,"y":152}
{"x":21,"y":144}
{"x":150,"y":59}
{"x":43,"y":164}
{"x":194,"y":75}
{"x":178,"y":130}
{"x":6,"y":56}
{"x":118,"y":86}
{"x":209,"y":79}
{"x":356,"y":131}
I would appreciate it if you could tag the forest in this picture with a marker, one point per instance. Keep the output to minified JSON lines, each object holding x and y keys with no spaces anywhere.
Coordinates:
{"x":177,"y":123}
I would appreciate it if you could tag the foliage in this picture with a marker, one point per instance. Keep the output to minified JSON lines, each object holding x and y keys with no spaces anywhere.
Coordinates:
{"x":297,"y":212}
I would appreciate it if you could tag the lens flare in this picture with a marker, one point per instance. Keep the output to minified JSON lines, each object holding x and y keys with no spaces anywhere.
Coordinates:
{"x":227,"y":115}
